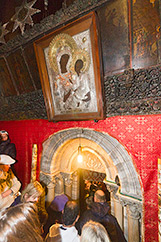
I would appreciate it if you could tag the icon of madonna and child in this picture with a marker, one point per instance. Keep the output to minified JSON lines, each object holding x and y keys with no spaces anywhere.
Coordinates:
{"x":71,"y":73}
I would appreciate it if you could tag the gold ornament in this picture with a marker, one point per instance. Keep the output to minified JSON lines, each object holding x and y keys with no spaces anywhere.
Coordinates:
{"x":61,"y":43}
{"x":82,"y":55}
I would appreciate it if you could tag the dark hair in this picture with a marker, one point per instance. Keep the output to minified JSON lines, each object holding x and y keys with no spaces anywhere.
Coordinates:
{"x":70,"y":213}
{"x":20,"y":224}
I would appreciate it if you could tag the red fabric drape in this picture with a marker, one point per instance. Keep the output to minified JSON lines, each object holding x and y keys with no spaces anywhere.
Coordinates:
{"x":141,"y":136}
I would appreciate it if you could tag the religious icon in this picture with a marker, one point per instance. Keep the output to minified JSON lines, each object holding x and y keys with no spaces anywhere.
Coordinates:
{"x":73,"y":72}
{"x":71,"y":67}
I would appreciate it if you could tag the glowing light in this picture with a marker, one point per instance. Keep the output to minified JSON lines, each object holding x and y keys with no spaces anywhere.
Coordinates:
{"x":80,"y":157}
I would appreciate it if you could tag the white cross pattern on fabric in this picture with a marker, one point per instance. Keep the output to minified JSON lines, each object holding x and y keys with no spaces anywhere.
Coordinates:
{"x":140,"y":138}
{"x":141,"y":156}
{"x":129,"y":128}
{"x":141,"y":120}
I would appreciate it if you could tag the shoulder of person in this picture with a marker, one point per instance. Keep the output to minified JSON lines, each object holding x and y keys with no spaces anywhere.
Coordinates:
{"x":54,"y":230}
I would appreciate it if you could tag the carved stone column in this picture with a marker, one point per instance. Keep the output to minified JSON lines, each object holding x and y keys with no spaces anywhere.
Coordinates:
{"x":133,"y":222}
{"x":131,"y":212}
{"x":75,"y":186}
{"x":51,"y":192}
{"x":112,"y":205}
{"x":118,"y":210}
{"x":112,"y":187}
{"x":49,"y":181}
{"x":68,"y":186}
{"x":59,"y":187}
{"x":125,"y":223}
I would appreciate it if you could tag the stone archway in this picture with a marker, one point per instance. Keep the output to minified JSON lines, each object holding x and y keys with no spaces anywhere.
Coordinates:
{"x":59,"y":155}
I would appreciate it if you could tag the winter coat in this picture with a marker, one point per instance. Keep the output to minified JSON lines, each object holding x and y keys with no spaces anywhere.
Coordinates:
{"x":8,"y":181}
{"x":99,"y":212}
{"x":8,"y":148}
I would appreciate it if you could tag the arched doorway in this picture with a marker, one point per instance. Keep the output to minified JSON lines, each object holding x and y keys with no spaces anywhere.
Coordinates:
{"x":102,"y":153}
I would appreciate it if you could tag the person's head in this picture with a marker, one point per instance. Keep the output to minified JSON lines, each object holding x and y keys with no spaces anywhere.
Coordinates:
{"x":95,"y":232}
{"x":20,"y":223}
{"x":32,"y":192}
{"x":5,"y":162}
{"x":78,"y":66}
{"x":99,"y":196}
{"x":3,"y":135}
{"x":63,"y":62}
{"x":70,"y":213}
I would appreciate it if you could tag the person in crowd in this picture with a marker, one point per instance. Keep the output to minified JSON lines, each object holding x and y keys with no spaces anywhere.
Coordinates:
{"x":55,"y":212}
{"x":89,"y":201}
{"x":65,"y":232}
{"x":43,"y":215}
{"x":102,"y":186}
{"x":20,"y":224}
{"x":31,"y":193}
{"x":92,"y":187}
{"x":9,"y":184}
{"x":6,"y":147}
{"x":99,"y":212}
{"x":94,"y":232}
{"x":34,"y":193}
